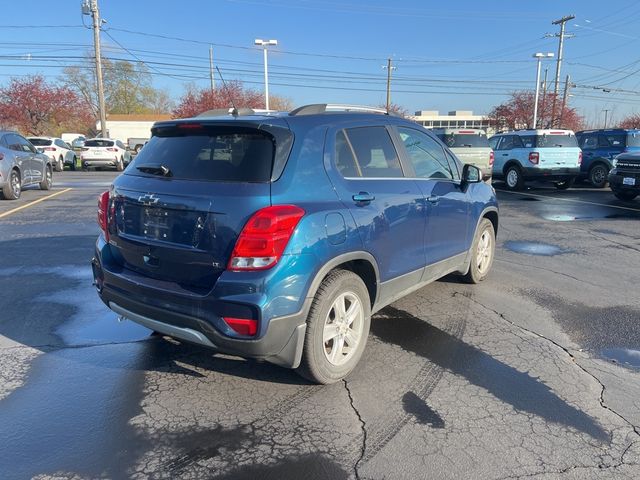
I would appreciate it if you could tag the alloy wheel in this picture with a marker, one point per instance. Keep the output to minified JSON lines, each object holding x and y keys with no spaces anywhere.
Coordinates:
{"x":342,"y":331}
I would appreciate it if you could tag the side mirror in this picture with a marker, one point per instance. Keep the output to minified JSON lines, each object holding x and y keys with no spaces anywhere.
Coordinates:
{"x":471,"y":174}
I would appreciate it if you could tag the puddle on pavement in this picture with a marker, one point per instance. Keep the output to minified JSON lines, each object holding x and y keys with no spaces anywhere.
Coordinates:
{"x":92,"y":322}
{"x":564,"y":218}
{"x":623,"y":356}
{"x":534,"y":248}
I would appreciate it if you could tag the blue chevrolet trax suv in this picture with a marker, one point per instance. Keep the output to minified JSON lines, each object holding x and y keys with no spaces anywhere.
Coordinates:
{"x":277,"y":236}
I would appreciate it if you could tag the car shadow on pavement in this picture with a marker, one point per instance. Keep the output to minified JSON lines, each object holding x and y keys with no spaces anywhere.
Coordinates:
{"x":516,"y":388}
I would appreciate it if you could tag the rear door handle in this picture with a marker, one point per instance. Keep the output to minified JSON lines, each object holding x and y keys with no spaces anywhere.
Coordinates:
{"x":363,"y":197}
{"x":433,"y":199}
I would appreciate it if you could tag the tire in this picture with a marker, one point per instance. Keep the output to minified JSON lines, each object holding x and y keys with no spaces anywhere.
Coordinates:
{"x":482,"y":252}
{"x":324,"y":359}
{"x":565,"y":184}
{"x":120,"y":165}
{"x":513,"y":178}
{"x":73,"y":164}
{"x":14,"y":188}
{"x":598,"y":175}
{"x":60,"y":165}
{"x":625,"y":196}
{"x":47,"y":183}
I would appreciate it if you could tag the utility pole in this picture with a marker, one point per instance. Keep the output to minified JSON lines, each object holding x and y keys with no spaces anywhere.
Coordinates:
{"x":606,"y":114}
{"x":389,"y":68}
{"x":544,"y":96}
{"x":556,"y":84}
{"x":97,"y":23}
{"x":211,"y":75}
{"x":565,"y":95}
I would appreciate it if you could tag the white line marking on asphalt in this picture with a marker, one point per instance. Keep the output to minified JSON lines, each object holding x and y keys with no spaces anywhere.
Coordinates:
{"x":572,"y":200}
{"x":30,"y":204}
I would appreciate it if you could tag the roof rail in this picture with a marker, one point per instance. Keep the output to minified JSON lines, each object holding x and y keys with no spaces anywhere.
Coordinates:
{"x":316,"y":108}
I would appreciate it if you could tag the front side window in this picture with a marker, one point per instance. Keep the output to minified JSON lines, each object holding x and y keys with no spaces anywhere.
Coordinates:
{"x":493,"y":142}
{"x":375,"y":154}
{"x":426,"y":154}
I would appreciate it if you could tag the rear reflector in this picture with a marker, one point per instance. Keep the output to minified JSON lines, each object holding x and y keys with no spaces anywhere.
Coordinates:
{"x":49,"y":149}
{"x":534,"y":157}
{"x":264,"y":237}
{"x":467,"y":132}
{"x":242,"y":326}
{"x":558,"y":133}
{"x":580,"y":158}
{"x":492,"y":159}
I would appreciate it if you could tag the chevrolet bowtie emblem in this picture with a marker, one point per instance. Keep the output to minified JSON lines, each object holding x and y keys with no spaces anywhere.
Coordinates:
{"x":148,"y":199}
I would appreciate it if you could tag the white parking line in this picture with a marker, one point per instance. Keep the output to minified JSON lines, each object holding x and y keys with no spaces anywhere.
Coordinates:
{"x":30,"y":204}
{"x":572,"y":200}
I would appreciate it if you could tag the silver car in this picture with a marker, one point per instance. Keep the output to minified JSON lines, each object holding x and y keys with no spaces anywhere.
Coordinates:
{"x":21,"y":165}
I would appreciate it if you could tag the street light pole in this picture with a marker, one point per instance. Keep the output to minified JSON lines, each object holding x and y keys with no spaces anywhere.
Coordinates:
{"x":264,"y":44}
{"x":539,"y":57}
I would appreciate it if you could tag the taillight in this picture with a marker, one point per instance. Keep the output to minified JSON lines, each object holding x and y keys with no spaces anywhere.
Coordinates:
{"x":49,"y":149}
{"x":534,"y":157}
{"x":84,"y":149}
{"x":1,"y":156}
{"x":264,"y":237}
{"x":112,"y":149}
{"x":103,"y":213}
{"x":580,"y":158}
{"x":492,"y":159}
{"x":243,"y":326}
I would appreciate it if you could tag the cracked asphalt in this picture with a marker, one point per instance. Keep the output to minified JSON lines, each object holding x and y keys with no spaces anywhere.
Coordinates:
{"x":532,"y":374}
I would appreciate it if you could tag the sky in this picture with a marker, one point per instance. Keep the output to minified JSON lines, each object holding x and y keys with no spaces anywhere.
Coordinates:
{"x":462,"y":55}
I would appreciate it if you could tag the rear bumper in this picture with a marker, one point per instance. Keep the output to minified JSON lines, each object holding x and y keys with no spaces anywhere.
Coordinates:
{"x":546,"y":173}
{"x":199,"y":318}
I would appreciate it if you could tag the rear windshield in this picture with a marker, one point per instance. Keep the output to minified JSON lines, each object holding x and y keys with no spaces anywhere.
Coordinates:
{"x":98,"y":143}
{"x":464,"y":140}
{"x":549,"y":141}
{"x":633,"y":140}
{"x":40,"y":142}
{"x":215,"y":154}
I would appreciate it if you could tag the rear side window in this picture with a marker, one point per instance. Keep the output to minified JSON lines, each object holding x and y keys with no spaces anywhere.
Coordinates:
{"x":40,"y":142}
{"x":375,"y":154}
{"x":472,"y":140}
{"x":615,"y":140}
{"x":214,"y":154}
{"x":345,"y":161}
{"x":98,"y":143}
{"x":588,"y":142}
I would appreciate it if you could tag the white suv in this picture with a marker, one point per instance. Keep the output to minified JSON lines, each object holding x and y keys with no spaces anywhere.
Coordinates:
{"x":104,"y":152}
{"x":59,"y":151}
{"x":551,"y":155}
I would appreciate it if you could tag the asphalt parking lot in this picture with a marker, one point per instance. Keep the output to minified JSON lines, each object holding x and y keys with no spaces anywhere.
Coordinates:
{"x":533,"y":373}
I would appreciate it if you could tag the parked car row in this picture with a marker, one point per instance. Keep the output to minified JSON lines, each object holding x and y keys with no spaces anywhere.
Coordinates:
{"x":556,"y":155}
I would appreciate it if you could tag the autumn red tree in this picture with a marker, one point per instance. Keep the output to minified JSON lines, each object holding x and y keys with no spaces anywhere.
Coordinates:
{"x":196,"y":101}
{"x":517,"y":113}
{"x":35,"y":107}
{"x":632,"y":121}
{"x":396,"y":109}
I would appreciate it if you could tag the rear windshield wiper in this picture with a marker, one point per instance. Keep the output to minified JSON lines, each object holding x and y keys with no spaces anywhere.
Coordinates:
{"x":155,"y":170}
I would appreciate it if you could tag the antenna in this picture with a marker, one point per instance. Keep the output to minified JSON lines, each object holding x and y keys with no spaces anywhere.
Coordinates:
{"x":234,"y":112}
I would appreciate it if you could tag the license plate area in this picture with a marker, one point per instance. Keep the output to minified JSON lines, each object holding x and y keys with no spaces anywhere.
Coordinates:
{"x":629,"y":181}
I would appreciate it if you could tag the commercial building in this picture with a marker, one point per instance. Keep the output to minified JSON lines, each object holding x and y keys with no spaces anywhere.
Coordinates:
{"x":454,"y":119}
{"x":124,"y":126}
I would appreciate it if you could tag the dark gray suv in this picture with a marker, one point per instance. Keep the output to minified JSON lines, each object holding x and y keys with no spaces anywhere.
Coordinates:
{"x":21,"y":165}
